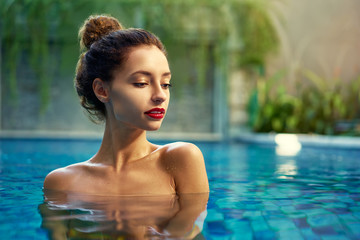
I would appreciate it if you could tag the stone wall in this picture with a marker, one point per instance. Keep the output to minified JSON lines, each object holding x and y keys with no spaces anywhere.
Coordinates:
{"x":190,"y":111}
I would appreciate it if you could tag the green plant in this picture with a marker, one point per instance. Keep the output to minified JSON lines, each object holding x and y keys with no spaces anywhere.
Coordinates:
{"x":25,"y":34}
{"x":327,"y":101}
{"x":32,"y":30}
{"x":319,"y":106}
{"x":258,"y":36}
{"x":271,"y":108}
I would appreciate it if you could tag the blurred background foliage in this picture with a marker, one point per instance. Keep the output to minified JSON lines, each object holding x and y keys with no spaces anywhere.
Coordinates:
{"x":321,"y":106}
{"x":199,"y":29}
{"x":208,"y":34}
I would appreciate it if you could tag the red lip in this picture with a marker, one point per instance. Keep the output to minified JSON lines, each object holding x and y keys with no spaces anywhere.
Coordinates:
{"x":156,"y":113}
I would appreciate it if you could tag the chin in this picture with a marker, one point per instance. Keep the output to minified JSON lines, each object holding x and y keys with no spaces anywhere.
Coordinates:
{"x":153,"y":127}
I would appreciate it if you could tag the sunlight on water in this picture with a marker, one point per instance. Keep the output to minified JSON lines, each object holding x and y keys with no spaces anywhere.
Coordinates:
{"x":287,"y":169}
{"x":255,"y":194}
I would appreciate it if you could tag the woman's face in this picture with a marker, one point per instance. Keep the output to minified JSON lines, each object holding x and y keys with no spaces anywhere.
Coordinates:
{"x":139,"y":93}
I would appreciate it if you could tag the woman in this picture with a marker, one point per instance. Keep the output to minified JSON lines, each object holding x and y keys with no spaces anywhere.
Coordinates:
{"x":123,"y":78}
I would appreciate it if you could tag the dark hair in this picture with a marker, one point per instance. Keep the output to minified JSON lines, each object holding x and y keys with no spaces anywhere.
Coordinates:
{"x":106,"y":46}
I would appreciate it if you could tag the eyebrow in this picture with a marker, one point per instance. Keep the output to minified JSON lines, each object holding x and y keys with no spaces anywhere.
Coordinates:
{"x":146,"y":73}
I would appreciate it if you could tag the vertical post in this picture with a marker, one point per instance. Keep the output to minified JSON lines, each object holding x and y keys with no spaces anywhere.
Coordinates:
{"x":217,"y":101}
{"x":220,"y":96}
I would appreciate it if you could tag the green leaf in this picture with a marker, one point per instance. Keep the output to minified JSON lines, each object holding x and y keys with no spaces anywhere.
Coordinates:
{"x":315,"y":79}
{"x":277,"y":125}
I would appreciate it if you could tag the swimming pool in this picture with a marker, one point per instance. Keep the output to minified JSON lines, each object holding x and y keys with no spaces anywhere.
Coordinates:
{"x":256,"y":193}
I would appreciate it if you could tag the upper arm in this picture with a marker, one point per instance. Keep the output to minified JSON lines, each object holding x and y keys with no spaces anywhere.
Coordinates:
{"x":188,"y":168}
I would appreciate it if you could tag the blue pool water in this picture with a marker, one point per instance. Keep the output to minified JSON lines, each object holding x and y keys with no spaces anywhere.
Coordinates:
{"x":256,"y":193}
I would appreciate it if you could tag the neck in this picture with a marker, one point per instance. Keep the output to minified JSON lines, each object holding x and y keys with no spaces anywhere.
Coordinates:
{"x":121,"y":145}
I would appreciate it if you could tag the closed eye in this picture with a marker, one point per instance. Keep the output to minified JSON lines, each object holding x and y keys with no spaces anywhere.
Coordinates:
{"x":140,"y":85}
{"x":166,"y":85}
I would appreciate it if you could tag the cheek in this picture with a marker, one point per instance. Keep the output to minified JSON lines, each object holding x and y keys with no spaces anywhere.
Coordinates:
{"x":126,"y":102}
{"x":168,"y":99}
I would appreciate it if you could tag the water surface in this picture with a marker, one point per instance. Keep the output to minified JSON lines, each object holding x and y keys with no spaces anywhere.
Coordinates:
{"x":256,"y":193}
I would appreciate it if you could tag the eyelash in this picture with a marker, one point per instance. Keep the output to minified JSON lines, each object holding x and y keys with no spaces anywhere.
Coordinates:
{"x":141,"y":85}
{"x":166,"y":86}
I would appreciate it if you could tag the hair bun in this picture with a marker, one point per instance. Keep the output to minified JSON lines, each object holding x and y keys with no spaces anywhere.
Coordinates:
{"x":95,"y":27}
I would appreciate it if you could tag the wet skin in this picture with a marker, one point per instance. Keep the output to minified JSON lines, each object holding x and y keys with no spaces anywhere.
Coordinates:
{"x":127,"y":163}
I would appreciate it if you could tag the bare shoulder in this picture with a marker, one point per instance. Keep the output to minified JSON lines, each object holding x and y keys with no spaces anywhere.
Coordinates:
{"x":184,"y":151}
{"x":62,"y":178}
{"x":186,"y":163}
{"x":183,"y":155}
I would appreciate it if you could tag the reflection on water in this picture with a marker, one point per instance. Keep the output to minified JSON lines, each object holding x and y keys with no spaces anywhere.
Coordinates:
{"x":79,"y":216}
{"x":286,"y":169}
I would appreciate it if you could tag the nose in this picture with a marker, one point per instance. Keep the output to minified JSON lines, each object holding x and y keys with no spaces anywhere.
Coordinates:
{"x":159,"y":95}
